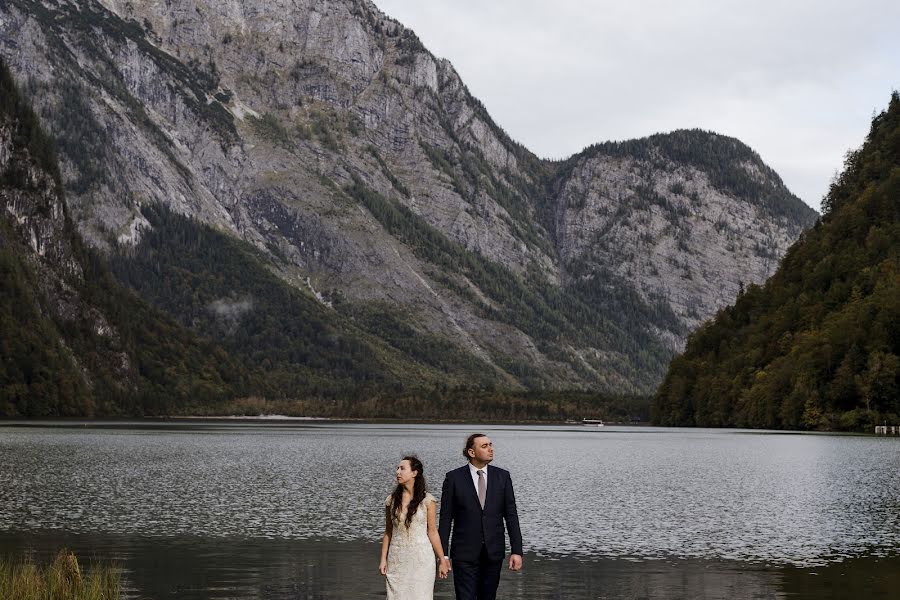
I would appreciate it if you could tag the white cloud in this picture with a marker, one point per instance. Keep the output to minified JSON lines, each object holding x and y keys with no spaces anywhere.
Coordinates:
{"x":797,"y":80}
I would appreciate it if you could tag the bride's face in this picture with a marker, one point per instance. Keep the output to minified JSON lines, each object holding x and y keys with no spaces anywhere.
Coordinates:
{"x":405,"y":472}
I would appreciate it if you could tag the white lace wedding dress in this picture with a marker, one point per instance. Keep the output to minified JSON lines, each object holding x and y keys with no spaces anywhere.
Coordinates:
{"x":411,"y":562}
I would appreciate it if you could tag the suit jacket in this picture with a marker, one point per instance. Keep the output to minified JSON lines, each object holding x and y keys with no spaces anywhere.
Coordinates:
{"x":473,"y":526}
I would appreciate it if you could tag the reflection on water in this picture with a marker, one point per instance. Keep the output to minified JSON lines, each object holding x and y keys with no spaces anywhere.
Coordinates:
{"x":203,"y":569}
{"x":697,"y":509}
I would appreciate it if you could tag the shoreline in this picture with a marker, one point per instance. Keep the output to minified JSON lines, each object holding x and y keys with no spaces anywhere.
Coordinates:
{"x":277,"y":418}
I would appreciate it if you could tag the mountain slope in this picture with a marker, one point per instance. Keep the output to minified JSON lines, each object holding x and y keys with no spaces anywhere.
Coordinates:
{"x":73,"y":341}
{"x":325,"y":135}
{"x":817,"y":346}
{"x":224,"y":289}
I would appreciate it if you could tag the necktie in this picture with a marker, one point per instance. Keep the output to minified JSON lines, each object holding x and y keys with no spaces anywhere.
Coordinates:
{"x":482,"y":487}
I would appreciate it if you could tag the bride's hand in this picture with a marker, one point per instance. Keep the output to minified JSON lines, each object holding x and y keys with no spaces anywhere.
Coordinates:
{"x":382,"y":568}
{"x":444,"y":568}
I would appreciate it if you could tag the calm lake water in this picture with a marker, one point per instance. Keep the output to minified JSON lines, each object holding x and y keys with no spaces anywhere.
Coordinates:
{"x":291,"y":509}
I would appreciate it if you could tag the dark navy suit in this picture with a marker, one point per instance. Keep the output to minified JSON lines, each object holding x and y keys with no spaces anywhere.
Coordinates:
{"x":477,"y":546}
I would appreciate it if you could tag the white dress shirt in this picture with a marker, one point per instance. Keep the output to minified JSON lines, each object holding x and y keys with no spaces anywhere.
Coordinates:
{"x":474,"y":471}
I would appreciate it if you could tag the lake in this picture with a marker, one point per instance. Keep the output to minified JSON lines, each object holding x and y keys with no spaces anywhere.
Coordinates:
{"x":288,"y":509}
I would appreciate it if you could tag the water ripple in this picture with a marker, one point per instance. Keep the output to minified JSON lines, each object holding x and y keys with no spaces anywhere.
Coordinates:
{"x":616,"y":492}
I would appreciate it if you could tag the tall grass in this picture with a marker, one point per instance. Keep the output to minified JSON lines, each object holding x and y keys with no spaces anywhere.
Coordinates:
{"x":62,"y":579}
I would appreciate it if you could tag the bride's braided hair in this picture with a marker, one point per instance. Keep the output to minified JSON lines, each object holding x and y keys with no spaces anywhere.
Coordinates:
{"x":418,"y":491}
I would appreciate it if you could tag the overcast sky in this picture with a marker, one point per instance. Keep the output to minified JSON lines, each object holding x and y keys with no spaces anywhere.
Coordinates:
{"x":796,"y":80}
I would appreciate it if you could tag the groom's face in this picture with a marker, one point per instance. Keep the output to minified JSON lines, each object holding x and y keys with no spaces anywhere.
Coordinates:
{"x":483,"y":450}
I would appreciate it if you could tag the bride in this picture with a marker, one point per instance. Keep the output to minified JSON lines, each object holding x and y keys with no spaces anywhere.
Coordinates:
{"x":411,"y":539}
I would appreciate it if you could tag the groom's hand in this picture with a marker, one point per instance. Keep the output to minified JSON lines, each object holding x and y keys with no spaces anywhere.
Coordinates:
{"x":515,"y":562}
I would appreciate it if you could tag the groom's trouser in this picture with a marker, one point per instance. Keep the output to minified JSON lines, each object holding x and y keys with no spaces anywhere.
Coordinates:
{"x":477,"y":579}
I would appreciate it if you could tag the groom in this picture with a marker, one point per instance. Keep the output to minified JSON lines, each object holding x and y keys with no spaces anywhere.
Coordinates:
{"x":475,"y":500}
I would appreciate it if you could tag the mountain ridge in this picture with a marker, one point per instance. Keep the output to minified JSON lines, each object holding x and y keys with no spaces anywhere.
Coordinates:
{"x":261,"y":120}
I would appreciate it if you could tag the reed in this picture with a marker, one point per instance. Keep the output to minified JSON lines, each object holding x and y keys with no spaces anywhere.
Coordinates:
{"x":62,"y":579}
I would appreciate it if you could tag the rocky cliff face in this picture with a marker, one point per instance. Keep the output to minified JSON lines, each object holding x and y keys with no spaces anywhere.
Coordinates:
{"x":34,"y":204}
{"x":43,"y":274}
{"x":325,"y":134}
{"x":684,"y":230}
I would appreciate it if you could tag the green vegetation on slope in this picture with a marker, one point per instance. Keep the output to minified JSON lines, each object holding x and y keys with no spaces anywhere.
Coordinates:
{"x":112,"y":354}
{"x":37,"y":375}
{"x":223,"y":289}
{"x":818,"y":346}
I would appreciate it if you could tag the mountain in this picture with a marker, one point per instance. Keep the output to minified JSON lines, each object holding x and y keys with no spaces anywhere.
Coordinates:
{"x":365,"y":177}
{"x":76,"y":342}
{"x":818,"y":345}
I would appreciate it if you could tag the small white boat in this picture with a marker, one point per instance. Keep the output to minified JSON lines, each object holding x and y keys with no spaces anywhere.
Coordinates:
{"x":592,"y":422}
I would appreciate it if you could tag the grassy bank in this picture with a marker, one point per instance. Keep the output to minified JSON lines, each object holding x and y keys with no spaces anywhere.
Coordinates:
{"x":62,"y":579}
